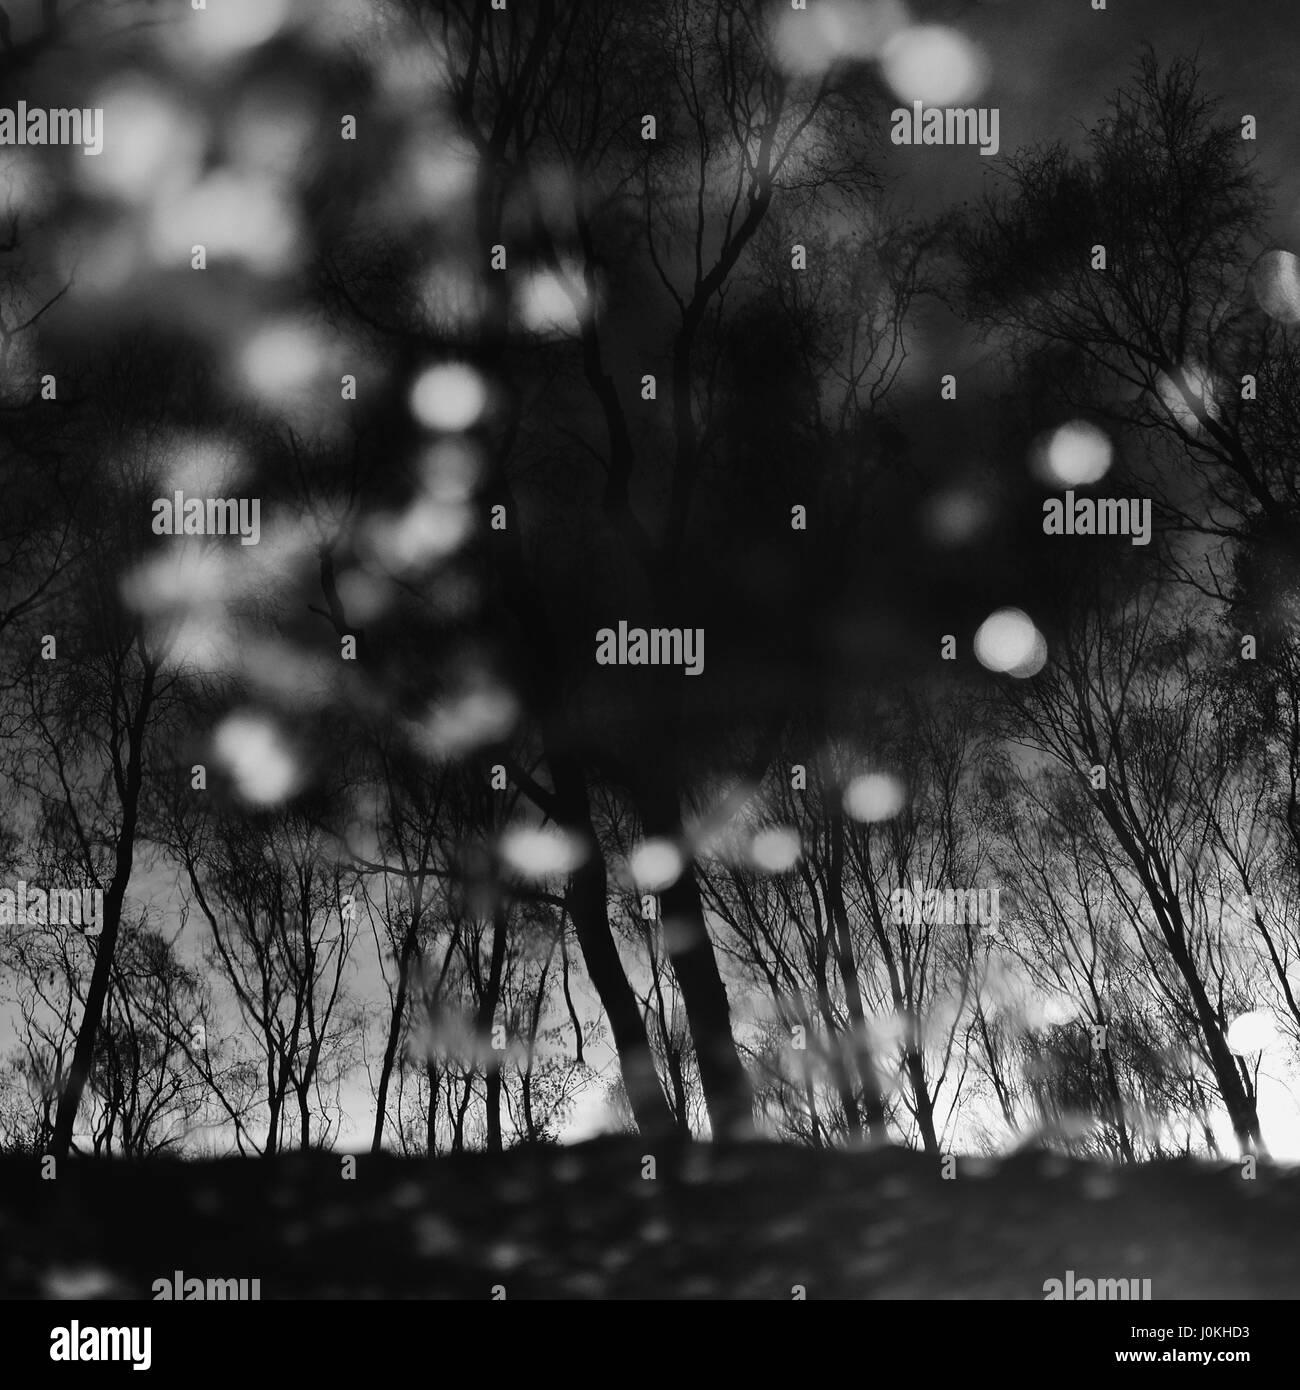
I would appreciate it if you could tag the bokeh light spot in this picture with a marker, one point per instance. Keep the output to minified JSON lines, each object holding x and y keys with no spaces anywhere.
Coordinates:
{"x":536,"y":852}
{"x":155,"y":147}
{"x":1275,"y":284}
{"x":954,"y":517}
{"x":874,"y":796}
{"x":254,"y":753}
{"x":227,"y":28}
{"x":280,"y":359}
{"x":1190,"y":397}
{"x":806,"y":43}
{"x":451,"y":396}
{"x":482,"y":712}
{"x":934,"y":64}
{"x":547,"y":306}
{"x":656,"y":864}
{"x":236,"y":216}
{"x":1252,"y":1032}
{"x":775,"y":850}
{"x":1073,"y":455}
{"x":426,"y":532}
{"x":1008,"y":642}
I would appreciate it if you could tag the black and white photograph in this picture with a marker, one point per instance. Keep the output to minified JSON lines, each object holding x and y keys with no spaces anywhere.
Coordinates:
{"x":649,"y":650}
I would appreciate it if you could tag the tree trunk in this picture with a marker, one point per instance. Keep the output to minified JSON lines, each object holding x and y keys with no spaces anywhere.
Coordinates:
{"x":394,"y":1030}
{"x":837,"y":1049}
{"x":1240,"y":1106}
{"x":727,"y":1092}
{"x":1117,"y":1104}
{"x":921,"y":1098}
{"x":672,"y":1059}
{"x":458,"y":1133}
{"x":872,"y":1098}
{"x":431,"y":1110}
{"x":588,"y":905}
{"x":486,"y":1016}
{"x":70,"y":1101}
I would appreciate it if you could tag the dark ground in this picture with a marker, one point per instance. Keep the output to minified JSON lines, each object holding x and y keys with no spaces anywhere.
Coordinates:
{"x":582,"y":1223}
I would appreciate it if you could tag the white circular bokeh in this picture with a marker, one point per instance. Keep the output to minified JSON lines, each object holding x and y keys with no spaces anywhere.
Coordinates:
{"x":1008,"y":642}
{"x":874,"y":796}
{"x":933,"y":64}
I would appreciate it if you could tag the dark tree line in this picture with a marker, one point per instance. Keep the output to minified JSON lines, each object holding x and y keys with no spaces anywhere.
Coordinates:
{"x":597,"y":314}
